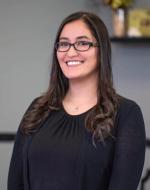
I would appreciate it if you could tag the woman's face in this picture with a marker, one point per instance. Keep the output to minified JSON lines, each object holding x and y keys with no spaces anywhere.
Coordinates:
{"x":76,"y":64}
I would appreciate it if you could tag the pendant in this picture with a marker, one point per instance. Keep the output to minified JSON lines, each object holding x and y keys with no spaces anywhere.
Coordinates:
{"x":76,"y":108}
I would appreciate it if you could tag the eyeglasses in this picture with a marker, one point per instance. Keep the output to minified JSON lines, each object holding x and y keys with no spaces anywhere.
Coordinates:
{"x":79,"y":46}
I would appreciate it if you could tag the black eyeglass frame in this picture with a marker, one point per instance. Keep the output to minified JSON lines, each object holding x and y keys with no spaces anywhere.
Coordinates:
{"x":90,"y":44}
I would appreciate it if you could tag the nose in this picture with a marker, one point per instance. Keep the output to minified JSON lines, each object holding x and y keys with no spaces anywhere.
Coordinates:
{"x":72,"y":52}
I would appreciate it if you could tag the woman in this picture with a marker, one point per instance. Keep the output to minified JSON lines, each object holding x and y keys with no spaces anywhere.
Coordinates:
{"x":80,"y":134}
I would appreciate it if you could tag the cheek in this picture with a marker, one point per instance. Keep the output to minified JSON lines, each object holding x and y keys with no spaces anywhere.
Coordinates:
{"x":94,"y":58}
{"x":60,"y":58}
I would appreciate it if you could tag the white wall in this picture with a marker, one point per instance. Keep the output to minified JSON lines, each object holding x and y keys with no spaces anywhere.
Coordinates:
{"x":27,"y":31}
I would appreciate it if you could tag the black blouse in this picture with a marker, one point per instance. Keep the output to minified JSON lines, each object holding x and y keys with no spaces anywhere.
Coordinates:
{"x":61,"y":155}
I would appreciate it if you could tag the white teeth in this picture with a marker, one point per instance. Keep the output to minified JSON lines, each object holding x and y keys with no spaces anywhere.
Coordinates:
{"x":74,"y":62}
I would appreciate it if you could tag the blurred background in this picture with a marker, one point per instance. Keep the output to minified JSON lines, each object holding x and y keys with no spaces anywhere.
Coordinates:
{"x":27,"y":32}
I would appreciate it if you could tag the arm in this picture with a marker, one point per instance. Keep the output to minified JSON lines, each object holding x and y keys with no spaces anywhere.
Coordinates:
{"x":15,"y":175}
{"x":129,"y":150}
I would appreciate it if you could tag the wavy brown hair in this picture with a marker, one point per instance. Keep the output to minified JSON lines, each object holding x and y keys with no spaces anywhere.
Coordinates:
{"x":100,"y":119}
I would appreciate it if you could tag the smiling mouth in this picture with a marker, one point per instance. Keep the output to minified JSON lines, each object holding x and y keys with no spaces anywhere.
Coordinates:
{"x":72,"y":63}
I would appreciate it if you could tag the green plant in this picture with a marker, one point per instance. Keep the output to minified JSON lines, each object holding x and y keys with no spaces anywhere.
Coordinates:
{"x":115,"y":4}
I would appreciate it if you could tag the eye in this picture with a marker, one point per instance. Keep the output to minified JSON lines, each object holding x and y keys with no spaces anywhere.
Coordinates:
{"x":83,"y":43}
{"x":63,"y":44}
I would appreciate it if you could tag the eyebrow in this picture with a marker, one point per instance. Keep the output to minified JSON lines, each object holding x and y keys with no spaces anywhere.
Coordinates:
{"x":78,"y":38}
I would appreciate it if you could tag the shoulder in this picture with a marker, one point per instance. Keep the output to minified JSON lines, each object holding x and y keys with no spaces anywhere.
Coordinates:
{"x":127,"y":105}
{"x":129,"y":117}
{"x":33,"y":102}
{"x":29,"y":108}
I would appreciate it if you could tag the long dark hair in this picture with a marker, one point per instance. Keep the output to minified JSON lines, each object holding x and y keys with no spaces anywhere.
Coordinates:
{"x":100,"y":119}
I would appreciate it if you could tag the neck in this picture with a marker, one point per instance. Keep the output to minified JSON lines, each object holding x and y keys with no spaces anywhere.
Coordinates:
{"x":82,"y":91}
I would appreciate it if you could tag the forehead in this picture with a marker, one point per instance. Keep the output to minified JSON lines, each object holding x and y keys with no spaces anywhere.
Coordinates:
{"x":75,"y":29}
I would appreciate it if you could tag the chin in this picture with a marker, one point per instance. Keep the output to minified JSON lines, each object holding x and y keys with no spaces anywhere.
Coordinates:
{"x":72,"y":75}
{"x":75,"y":77}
